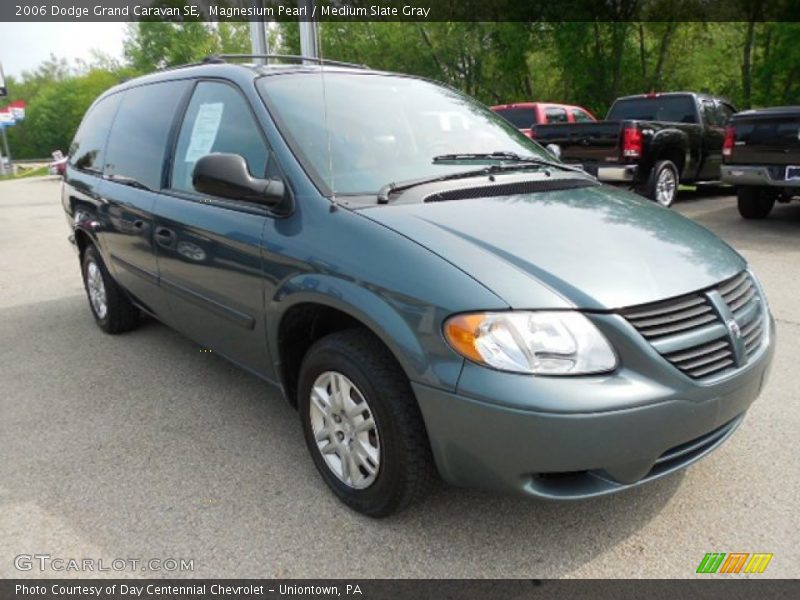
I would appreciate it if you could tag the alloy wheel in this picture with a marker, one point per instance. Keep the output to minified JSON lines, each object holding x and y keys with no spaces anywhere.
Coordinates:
{"x":344,"y":430}
{"x":666,"y":187}
{"x":97,"y":290}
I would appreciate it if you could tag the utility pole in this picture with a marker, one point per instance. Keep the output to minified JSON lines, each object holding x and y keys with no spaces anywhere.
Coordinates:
{"x":7,"y":153}
{"x":258,"y":34}
{"x":308,"y":31}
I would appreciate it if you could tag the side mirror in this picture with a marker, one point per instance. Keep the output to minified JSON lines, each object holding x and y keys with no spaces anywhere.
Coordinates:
{"x":227,"y":176}
{"x":555,"y":150}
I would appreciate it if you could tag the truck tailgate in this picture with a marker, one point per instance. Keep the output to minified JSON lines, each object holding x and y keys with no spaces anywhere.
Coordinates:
{"x":582,"y":142}
{"x":766,"y":139}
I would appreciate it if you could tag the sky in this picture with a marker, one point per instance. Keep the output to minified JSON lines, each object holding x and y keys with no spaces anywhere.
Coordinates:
{"x":24,"y":45}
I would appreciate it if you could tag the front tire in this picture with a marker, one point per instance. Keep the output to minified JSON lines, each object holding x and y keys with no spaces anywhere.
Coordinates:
{"x":362,"y":424}
{"x":662,"y":185}
{"x":755,"y":202}
{"x":112,"y":310}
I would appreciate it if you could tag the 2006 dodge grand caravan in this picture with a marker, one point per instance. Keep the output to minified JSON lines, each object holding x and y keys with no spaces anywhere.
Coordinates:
{"x":430,"y":288}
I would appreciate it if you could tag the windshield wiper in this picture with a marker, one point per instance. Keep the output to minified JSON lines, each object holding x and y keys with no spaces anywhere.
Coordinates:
{"x":390,"y":188}
{"x":499,"y":155}
{"x":502,"y":156}
{"x":129,"y":181}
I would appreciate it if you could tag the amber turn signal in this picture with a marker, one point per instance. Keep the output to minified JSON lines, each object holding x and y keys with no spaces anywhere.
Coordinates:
{"x":461,"y":332}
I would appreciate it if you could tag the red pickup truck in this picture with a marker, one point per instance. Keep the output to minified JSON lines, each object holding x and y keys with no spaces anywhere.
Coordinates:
{"x":525,"y":114}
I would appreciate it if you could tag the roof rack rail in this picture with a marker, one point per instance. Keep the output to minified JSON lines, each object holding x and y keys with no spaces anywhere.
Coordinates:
{"x":222,"y":58}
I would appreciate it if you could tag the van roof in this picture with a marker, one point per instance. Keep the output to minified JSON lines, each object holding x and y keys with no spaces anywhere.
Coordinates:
{"x":236,"y":71}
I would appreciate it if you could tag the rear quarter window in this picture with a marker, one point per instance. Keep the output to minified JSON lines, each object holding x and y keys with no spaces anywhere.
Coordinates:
{"x":87,"y":151}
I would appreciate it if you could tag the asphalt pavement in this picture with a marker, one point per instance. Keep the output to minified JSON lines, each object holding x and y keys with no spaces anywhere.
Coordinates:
{"x":141,"y":446}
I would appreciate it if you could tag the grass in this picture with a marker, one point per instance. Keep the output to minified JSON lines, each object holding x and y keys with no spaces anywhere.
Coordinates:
{"x":37,"y":172}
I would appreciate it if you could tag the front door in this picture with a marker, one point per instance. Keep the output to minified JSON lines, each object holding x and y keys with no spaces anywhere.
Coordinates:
{"x":209,"y":249}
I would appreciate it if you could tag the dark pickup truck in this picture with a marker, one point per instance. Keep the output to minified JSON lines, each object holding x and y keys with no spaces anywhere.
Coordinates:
{"x":762,"y":158}
{"x":651,"y":142}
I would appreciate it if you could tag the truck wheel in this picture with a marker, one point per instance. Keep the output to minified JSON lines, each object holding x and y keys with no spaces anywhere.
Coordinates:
{"x":362,"y":424}
{"x":113,"y":311}
{"x":754,"y":202}
{"x":662,"y":185}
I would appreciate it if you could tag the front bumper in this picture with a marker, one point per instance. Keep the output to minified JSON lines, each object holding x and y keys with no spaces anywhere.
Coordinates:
{"x":588,"y":436}
{"x":757,"y":176}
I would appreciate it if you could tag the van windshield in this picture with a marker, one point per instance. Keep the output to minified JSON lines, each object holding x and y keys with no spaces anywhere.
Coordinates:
{"x":355,"y":132}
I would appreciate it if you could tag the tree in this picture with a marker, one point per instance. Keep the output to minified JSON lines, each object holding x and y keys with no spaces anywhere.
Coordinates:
{"x":152,"y":45}
{"x":54,"y":113}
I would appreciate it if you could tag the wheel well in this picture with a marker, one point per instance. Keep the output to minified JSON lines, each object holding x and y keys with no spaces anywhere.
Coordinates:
{"x":300,"y":327}
{"x":676,"y":155}
{"x":83,"y":241}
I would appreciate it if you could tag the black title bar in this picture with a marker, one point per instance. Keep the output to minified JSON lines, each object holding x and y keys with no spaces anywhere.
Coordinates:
{"x":400,"y":10}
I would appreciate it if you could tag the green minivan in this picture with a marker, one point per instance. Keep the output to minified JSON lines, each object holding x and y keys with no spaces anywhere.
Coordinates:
{"x":434,"y":292}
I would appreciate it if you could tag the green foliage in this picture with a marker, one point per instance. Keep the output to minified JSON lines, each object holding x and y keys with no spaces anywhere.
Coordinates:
{"x":57,"y":97}
{"x":154,"y":45}
{"x":587,"y":63}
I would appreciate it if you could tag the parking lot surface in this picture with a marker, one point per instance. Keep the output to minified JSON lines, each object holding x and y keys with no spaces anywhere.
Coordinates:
{"x":142,"y":446}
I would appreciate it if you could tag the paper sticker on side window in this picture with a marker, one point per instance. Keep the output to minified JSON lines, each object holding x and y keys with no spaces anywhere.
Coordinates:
{"x":792,"y":172}
{"x":204,"y":132}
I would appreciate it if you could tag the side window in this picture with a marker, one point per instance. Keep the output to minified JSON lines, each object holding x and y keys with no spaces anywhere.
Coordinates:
{"x":218,"y":119}
{"x":87,"y":150}
{"x":555,"y":115}
{"x":138,"y":141}
{"x":724,"y":113}
{"x":710,"y":115}
{"x":581,"y":116}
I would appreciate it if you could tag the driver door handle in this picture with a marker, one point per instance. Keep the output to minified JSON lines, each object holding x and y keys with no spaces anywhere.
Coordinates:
{"x":165,"y":236}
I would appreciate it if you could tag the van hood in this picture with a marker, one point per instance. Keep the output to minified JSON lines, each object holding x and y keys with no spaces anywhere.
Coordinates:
{"x":596,"y":248}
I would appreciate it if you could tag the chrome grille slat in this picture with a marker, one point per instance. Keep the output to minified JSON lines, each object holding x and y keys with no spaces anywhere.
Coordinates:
{"x":666,"y":308}
{"x":689,"y":332}
{"x":728,"y":286}
{"x":715,"y":357}
{"x":673,"y":317}
{"x":755,"y":324}
{"x":699,"y":351}
{"x":738,"y":292}
{"x":754,"y":339}
{"x":737,"y":304}
{"x":711,"y":369}
{"x":679,"y":326}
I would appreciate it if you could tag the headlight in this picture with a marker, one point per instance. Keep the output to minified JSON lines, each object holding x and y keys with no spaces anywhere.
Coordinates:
{"x":542,"y":343}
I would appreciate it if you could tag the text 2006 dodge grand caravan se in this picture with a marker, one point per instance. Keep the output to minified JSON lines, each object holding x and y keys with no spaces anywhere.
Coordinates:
{"x":431,"y":289}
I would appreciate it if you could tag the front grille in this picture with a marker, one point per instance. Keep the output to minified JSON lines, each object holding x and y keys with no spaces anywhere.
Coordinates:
{"x":703,"y":359}
{"x":673,"y":316}
{"x":706,"y":333}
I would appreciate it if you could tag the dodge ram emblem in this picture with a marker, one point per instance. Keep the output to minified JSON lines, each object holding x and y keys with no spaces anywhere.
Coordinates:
{"x":734,"y":329}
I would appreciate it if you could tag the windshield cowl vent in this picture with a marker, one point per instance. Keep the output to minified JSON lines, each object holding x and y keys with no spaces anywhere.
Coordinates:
{"x":509,"y":189}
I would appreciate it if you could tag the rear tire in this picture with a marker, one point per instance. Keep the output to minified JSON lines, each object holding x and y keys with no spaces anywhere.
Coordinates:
{"x":755,"y":202}
{"x":392,"y":459}
{"x":662,"y":185}
{"x":112,"y":309}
